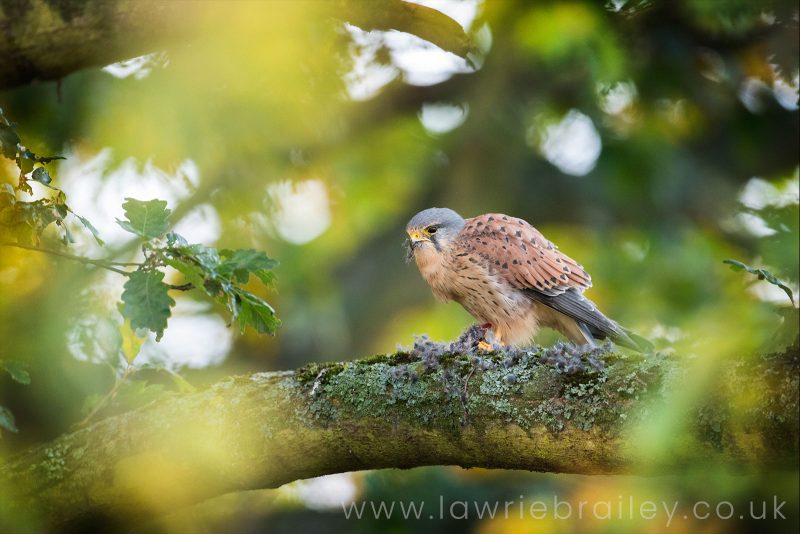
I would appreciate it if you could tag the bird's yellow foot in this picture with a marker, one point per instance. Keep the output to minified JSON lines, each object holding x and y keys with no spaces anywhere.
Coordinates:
{"x":484,"y":346}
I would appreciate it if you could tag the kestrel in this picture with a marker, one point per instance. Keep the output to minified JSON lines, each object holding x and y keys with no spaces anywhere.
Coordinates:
{"x":509,"y":277}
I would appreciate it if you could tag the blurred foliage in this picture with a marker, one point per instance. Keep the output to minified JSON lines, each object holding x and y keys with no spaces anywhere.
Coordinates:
{"x":762,"y":274}
{"x":684,"y":115}
{"x":146,"y":304}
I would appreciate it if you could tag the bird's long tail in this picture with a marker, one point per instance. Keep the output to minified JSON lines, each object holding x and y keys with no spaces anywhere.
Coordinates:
{"x":619,"y":335}
{"x":591,"y":321}
{"x":633,"y":341}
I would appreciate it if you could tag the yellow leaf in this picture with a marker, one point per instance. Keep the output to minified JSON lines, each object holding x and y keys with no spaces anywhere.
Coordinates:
{"x":131,"y":343}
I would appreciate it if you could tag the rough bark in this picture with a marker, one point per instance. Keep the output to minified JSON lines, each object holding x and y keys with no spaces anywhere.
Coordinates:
{"x":48,"y":39}
{"x":544,"y":411}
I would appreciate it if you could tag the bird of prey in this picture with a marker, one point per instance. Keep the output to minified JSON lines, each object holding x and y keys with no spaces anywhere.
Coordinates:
{"x":509,"y":277}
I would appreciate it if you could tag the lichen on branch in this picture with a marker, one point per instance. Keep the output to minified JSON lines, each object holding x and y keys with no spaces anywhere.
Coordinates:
{"x":563,"y":409}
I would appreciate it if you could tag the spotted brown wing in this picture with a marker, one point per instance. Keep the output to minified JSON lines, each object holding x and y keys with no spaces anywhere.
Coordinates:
{"x":521,"y":254}
{"x":531,"y":263}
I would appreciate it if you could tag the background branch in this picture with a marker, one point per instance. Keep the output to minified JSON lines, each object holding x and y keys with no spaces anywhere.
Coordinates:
{"x":105,"y":264}
{"x":95,"y":33}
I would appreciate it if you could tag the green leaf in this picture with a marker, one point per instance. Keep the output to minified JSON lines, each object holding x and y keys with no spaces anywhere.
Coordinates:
{"x":218,"y":272}
{"x":7,"y":419}
{"x":146,"y":218}
{"x":762,"y":274}
{"x":30,"y":219}
{"x":8,"y":141}
{"x":16,"y":370}
{"x":89,"y":226}
{"x":147,"y":303}
{"x":255,"y":312}
{"x":176,"y":240}
{"x":41,"y":175}
{"x":736,"y":265}
{"x":25,"y":161}
{"x":238,"y":264}
{"x":267,"y":278}
{"x":7,"y":195}
{"x":206,"y":257}
{"x":67,"y":239}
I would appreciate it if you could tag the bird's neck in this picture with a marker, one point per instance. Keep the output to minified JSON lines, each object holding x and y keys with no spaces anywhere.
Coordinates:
{"x":431,"y":264}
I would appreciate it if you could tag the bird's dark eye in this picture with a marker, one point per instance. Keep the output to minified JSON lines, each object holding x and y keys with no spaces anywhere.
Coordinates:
{"x":431,"y":230}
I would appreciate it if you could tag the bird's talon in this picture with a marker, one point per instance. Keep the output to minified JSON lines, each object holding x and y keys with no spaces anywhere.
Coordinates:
{"x":484,"y":346}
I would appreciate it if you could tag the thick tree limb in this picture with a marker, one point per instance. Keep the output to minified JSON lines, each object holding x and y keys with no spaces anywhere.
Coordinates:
{"x":543,"y":411}
{"x":48,"y":39}
{"x":422,"y":21}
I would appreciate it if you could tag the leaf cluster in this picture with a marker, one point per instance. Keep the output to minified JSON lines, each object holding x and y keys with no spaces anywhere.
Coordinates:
{"x":26,"y":221}
{"x":219,"y":274}
{"x":146,"y":302}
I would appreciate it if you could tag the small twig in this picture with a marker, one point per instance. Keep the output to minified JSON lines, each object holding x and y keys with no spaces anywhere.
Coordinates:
{"x":182,"y":287}
{"x":105,"y":400}
{"x":466,"y":382}
{"x":105,"y":264}
{"x":318,"y":381}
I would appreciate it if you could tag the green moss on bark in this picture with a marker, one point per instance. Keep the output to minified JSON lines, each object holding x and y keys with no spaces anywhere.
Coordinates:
{"x":557,"y":410}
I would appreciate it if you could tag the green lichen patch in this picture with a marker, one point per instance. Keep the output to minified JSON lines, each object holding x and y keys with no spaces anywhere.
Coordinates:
{"x":398,"y":358}
{"x":318,"y":371}
{"x":54,"y":466}
{"x":565,"y":386}
{"x":712,"y":422}
{"x":378,"y":390}
{"x":431,"y":385}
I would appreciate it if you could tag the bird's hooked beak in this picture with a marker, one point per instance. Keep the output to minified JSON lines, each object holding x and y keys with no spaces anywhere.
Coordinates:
{"x":415,"y":239}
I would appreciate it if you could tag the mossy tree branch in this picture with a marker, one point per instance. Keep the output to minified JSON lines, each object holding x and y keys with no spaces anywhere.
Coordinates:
{"x":542,"y":411}
{"x":49,"y":39}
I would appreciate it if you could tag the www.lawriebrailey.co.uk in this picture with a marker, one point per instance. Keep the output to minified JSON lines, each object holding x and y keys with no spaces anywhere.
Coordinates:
{"x":561,"y":509}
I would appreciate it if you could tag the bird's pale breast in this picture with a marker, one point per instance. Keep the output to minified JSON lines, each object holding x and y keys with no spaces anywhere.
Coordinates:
{"x":473,"y":282}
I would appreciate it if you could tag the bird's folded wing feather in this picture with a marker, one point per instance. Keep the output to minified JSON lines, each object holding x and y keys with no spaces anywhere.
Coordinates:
{"x":522,"y":255}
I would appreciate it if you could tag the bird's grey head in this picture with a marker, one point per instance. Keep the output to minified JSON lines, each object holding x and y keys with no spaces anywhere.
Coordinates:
{"x":433,"y":228}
